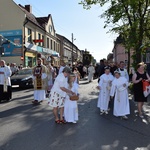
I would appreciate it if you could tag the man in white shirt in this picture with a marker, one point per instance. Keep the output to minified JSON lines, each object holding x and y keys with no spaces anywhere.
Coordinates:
{"x":62,"y":66}
{"x":5,"y":83}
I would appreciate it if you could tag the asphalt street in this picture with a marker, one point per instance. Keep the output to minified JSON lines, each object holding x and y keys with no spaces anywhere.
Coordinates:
{"x":24,"y":126}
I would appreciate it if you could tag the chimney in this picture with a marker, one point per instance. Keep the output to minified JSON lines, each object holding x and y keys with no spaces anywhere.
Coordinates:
{"x":28,"y":8}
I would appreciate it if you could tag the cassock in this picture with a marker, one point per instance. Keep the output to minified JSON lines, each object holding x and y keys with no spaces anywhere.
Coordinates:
{"x":5,"y":83}
{"x":104,"y":94}
{"x":40,"y":82}
{"x":121,"y":101}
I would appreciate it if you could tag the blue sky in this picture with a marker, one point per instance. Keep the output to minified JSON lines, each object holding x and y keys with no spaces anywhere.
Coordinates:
{"x":70,"y":17}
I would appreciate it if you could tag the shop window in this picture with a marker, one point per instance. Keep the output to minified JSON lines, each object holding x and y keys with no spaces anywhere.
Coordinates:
{"x":39,"y":37}
{"x":43,"y":40}
{"x":51,"y":44}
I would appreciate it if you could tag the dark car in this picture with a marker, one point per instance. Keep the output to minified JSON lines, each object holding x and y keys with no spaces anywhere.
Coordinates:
{"x":23,"y":78}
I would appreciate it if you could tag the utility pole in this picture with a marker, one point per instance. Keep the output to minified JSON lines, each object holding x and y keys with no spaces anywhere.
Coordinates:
{"x":72,"y":38}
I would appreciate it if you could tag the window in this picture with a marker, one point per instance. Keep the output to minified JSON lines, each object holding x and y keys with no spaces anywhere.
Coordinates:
{"x":47,"y":42}
{"x":54,"y":45}
{"x":43,"y":40}
{"x":51,"y":44}
{"x":29,"y":35}
{"x":39,"y":37}
{"x":50,"y":28}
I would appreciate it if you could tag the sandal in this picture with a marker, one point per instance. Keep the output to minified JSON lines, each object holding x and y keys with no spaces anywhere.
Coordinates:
{"x":57,"y":121}
{"x":63,"y":121}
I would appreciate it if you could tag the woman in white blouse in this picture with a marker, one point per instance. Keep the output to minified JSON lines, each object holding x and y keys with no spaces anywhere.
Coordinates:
{"x":58,"y":94}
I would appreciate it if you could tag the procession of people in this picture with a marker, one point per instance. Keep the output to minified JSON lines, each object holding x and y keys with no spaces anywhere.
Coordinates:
{"x":61,"y":87}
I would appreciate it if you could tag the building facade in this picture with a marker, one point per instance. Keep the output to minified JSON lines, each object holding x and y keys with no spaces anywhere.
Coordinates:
{"x":69,"y":52}
{"x":29,"y":36}
{"x":120,"y":53}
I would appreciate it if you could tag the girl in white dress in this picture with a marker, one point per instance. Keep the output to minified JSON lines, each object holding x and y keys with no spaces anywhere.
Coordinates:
{"x":104,"y":87}
{"x":120,"y":90}
{"x":70,"y":107}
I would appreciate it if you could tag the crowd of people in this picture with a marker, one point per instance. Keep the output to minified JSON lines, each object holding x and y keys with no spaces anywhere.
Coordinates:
{"x":60,"y":85}
{"x":113,"y":84}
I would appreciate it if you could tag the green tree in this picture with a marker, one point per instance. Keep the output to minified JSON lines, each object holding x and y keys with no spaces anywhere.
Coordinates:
{"x":129,"y":18}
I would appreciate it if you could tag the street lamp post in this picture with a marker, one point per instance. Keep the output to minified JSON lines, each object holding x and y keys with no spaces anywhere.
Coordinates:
{"x":72,"y":47}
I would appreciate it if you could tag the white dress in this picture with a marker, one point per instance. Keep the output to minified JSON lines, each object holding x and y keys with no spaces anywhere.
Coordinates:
{"x":104,"y":94}
{"x":70,"y":107}
{"x":121,"y":101}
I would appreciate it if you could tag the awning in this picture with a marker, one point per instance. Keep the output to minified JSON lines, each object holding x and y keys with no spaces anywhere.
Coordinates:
{"x":55,"y":54}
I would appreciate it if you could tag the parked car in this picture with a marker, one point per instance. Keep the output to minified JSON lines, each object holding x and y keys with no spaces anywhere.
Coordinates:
{"x":23,"y":78}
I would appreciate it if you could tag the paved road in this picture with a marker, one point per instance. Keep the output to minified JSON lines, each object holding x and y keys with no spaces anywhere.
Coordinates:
{"x":27,"y":127}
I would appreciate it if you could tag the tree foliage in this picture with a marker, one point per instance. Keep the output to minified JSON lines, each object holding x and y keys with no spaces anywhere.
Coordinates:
{"x":129,"y":18}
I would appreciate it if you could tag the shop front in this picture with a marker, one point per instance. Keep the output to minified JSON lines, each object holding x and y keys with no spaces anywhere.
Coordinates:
{"x":30,"y":59}
{"x":30,"y":55}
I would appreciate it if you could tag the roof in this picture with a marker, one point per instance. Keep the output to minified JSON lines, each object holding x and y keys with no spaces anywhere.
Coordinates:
{"x":42,"y":20}
{"x":37,"y":21}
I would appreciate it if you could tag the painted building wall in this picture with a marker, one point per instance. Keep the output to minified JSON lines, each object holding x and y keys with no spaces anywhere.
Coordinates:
{"x":120,"y":54}
{"x":12,"y":17}
{"x":11,"y":26}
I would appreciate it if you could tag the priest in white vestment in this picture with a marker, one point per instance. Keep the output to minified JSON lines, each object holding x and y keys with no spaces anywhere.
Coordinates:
{"x":104,"y":87}
{"x":5,"y":83}
{"x":120,"y":90}
{"x":40,"y":82}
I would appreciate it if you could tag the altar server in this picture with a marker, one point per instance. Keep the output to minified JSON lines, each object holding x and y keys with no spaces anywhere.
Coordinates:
{"x":120,"y":90}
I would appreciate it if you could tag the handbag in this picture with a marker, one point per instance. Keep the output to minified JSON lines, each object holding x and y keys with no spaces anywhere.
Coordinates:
{"x":146,"y":88}
{"x":74,"y":97}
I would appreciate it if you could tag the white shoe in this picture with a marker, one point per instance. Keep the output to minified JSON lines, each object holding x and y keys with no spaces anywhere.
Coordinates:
{"x":106,"y":112}
{"x":124,"y":117}
{"x":102,"y":112}
{"x":141,"y":116}
{"x":74,"y":122}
